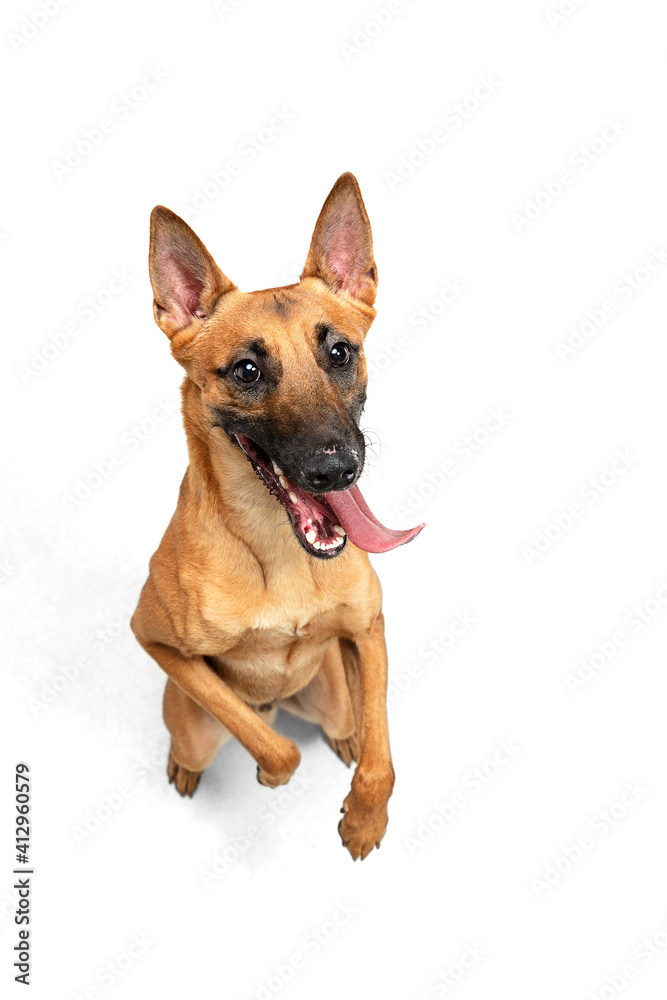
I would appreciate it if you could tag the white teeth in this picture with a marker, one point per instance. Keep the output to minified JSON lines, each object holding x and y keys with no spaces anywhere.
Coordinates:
{"x":282,"y":481}
{"x":339,"y":530}
{"x":277,"y":471}
{"x":332,"y":543}
{"x":292,"y":497}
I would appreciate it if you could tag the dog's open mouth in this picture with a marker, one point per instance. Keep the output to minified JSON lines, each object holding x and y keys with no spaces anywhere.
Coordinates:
{"x":324,"y":522}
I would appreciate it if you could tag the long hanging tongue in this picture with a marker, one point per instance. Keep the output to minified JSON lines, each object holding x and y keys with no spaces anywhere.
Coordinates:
{"x":361,"y":525}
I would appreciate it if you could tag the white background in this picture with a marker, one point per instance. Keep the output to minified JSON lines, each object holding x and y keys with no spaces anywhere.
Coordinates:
{"x":360,"y":99}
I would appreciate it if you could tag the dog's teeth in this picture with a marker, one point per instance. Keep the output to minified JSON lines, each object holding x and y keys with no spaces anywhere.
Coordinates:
{"x":277,"y":471}
{"x":339,"y":531}
{"x":293,"y":498}
{"x":282,"y":481}
{"x":339,"y":540}
{"x":317,"y":545}
{"x":310,"y":537}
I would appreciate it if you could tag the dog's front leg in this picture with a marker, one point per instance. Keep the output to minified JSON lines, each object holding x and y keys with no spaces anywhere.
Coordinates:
{"x":277,"y":758}
{"x":365,"y":808}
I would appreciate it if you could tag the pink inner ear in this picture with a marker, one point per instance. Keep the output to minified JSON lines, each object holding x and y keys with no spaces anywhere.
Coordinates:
{"x":183,"y":287}
{"x":344,"y":256}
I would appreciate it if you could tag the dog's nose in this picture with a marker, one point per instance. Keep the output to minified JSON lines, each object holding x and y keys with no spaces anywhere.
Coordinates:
{"x":330,"y":469}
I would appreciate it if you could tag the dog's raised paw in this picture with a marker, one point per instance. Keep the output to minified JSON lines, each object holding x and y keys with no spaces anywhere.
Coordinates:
{"x":347,"y":749}
{"x":361,"y":829}
{"x":271,"y":780}
{"x":184,"y":781}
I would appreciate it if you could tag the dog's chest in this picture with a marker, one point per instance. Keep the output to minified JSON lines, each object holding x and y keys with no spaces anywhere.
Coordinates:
{"x":295,"y":620}
{"x":289,"y":605}
{"x":268,"y":641}
{"x":278,"y":654}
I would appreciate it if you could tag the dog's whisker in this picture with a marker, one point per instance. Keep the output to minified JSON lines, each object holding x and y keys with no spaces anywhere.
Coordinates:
{"x":279,"y":524}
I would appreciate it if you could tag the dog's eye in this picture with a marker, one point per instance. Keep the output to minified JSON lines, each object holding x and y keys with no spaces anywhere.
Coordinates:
{"x":246,"y":371}
{"x":339,"y":354}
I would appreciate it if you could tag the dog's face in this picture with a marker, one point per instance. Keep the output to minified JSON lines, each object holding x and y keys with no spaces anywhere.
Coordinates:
{"x":282,"y":370}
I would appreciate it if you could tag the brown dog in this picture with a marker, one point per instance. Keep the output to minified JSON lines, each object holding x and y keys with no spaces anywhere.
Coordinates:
{"x":245,"y":609}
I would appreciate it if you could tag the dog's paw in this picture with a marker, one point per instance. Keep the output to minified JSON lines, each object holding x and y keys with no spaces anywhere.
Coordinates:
{"x":273,"y":780}
{"x":347,"y":750}
{"x":361,"y":828}
{"x":282,"y":767}
{"x":185,"y":782}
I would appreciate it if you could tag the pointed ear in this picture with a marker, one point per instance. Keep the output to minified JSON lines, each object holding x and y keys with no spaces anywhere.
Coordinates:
{"x":186,"y":281}
{"x":341,"y":251}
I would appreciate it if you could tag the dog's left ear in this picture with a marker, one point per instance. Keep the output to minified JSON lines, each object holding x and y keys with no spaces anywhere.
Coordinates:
{"x":186,"y":281}
{"x":341,"y":250}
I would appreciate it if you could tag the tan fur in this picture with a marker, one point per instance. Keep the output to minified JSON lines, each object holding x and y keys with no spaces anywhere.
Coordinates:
{"x":237,"y":614}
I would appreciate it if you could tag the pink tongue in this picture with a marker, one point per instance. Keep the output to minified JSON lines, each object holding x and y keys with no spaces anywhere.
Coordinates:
{"x":361,"y":525}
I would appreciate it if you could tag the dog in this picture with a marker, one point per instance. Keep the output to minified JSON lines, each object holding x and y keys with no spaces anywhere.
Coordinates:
{"x":261,"y":594}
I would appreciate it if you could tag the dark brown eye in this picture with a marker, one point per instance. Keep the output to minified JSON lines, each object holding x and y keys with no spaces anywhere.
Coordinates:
{"x":339,"y":354}
{"x":246,"y":371}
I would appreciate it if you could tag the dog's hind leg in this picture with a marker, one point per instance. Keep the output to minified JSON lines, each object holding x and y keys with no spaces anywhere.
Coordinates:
{"x":326,"y":700}
{"x":195,"y":738}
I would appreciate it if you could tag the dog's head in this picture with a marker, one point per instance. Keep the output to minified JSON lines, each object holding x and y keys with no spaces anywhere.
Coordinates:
{"x":282,"y":370}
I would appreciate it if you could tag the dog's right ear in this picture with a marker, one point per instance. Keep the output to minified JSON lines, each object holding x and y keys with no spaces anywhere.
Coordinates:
{"x":341,"y":250}
{"x":186,"y":281}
